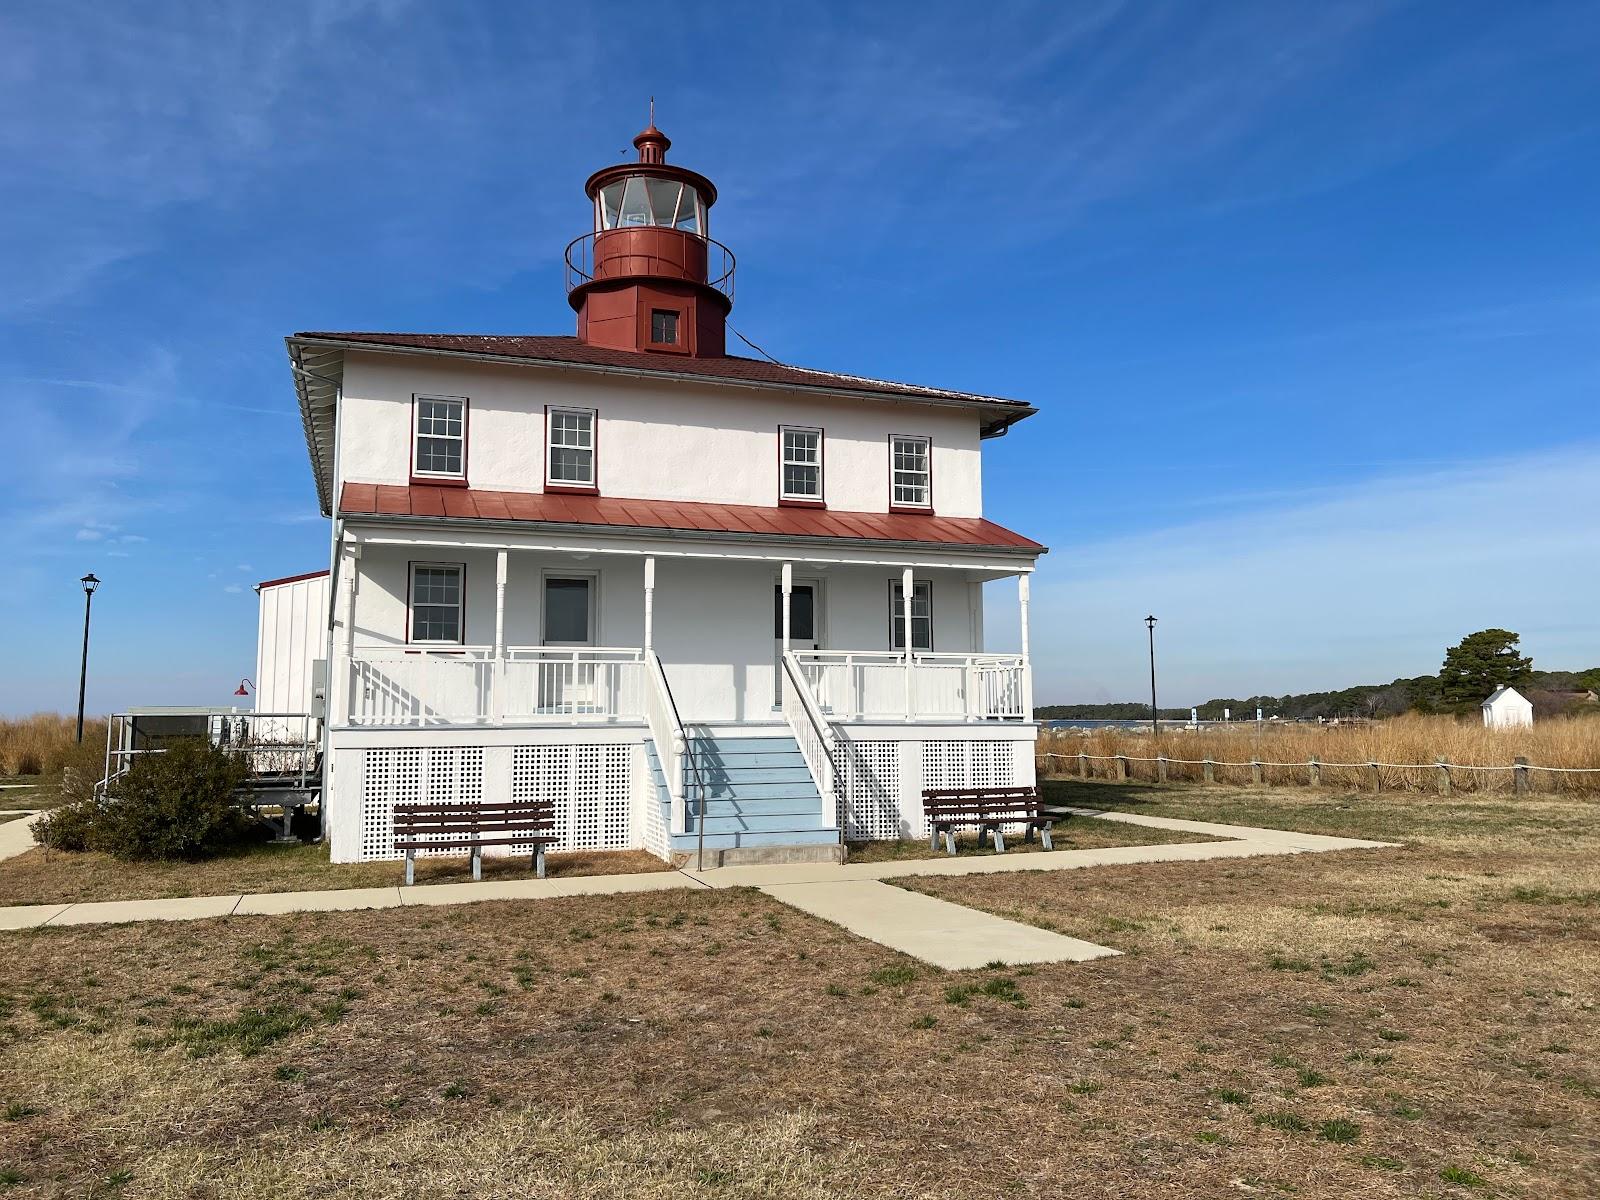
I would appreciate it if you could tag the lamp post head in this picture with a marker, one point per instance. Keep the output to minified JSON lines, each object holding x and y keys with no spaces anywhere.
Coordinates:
{"x":89,"y":583}
{"x":1150,"y":622}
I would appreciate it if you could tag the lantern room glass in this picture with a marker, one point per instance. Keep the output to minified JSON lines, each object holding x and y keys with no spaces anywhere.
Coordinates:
{"x":642,"y":200}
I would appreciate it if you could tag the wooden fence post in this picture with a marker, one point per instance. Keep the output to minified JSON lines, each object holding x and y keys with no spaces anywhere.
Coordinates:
{"x":1083,"y":765}
{"x":1519,"y":775}
{"x":1210,"y":771}
{"x":1255,"y":772}
{"x":1161,"y":768}
{"x":1122,"y":768}
{"x":1444,"y":776}
{"x":1377,"y":778}
{"x":1316,"y":772}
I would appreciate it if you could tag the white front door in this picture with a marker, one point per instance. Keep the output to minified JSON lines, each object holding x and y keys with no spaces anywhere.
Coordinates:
{"x":805,"y":626}
{"x":568,"y":619}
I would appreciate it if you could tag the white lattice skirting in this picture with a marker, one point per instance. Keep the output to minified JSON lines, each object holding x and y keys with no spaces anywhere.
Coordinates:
{"x":591,"y":786}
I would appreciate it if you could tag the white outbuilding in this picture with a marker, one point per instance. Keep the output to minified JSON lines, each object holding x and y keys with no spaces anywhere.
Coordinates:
{"x":1507,"y":708}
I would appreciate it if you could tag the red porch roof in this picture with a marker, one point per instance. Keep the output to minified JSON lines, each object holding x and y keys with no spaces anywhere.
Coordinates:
{"x":683,"y":516}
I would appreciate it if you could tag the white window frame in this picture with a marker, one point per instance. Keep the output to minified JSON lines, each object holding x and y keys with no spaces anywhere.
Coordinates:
{"x":460,"y":570}
{"x":417,"y":401}
{"x":896,"y":472}
{"x":896,"y":613}
{"x":551,"y":446}
{"x":785,"y":462}
{"x":593,"y":578}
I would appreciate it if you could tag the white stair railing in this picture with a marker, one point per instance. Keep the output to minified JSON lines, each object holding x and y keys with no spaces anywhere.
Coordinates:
{"x":666,"y":730}
{"x":815,"y":737}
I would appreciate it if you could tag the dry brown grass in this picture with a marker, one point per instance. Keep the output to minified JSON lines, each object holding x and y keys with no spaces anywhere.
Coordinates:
{"x":57,"y":877}
{"x":1075,"y":833}
{"x":45,"y":742}
{"x":1440,"y":1000}
{"x":1414,"y":740}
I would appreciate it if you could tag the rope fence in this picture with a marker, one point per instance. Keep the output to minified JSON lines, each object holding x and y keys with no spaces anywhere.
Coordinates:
{"x":1398,"y":774}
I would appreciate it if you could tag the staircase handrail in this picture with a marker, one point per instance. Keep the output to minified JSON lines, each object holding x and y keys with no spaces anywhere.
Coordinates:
{"x":681,"y":739}
{"x":827,"y":779}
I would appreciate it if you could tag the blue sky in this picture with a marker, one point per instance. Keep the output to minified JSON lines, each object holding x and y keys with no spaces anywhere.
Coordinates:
{"x":1308,"y":294}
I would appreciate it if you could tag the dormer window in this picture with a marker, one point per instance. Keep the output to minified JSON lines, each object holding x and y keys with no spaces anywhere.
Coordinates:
{"x":801,"y":465}
{"x":569,"y":452}
{"x":910,"y":473}
{"x":664,"y":326}
{"x":439,"y":438}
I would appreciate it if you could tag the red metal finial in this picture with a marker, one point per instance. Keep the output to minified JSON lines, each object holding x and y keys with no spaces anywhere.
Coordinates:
{"x":652,"y":144}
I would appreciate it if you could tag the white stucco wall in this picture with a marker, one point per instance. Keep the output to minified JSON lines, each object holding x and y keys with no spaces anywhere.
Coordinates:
{"x":713,"y":620}
{"x":657,"y":440}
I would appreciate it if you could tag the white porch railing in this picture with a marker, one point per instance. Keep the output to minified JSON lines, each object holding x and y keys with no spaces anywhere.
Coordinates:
{"x":814,"y":735}
{"x":471,"y":685}
{"x":880,"y":685}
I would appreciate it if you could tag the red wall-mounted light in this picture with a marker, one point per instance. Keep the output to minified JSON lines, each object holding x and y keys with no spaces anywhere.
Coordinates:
{"x":244,"y":688}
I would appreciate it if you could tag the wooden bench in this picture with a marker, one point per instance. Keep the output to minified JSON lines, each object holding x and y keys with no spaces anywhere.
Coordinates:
{"x":473,"y":826}
{"x":986,"y":809}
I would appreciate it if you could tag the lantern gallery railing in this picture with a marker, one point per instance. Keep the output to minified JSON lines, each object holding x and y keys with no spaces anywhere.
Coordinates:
{"x":667,"y":253}
{"x":471,"y":685}
{"x":882,"y":685}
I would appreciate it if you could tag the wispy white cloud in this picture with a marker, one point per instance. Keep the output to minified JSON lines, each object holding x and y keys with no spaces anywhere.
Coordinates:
{"x":1365,"y":584}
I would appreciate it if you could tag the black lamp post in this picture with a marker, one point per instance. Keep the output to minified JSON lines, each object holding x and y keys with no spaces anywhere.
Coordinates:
{"x":89,"y":584}
{"x":1150,"y":624}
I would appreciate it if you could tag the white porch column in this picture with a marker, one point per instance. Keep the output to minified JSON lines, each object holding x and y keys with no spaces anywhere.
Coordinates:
{"x":907,"y":586}
{"x":788,"y":591}
{"x":345,"y":676}
{"x":1027,"y":659}
{"x":497,"y":684}
{"x":649,"y":604}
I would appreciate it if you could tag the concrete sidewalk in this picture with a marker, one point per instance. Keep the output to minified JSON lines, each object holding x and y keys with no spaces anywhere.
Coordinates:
{"x":852,"y":895}
{"x":16,"y":837}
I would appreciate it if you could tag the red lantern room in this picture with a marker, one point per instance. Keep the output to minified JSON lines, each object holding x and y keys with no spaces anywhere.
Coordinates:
{"x":649,"y":277}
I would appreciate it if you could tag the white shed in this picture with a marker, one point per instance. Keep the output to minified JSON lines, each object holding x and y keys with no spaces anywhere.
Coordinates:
{"x":293,"y":634}
{"x":1507,"y":708}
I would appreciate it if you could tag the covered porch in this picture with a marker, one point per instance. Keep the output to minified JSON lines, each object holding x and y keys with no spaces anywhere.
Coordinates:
{"x":452,"y":634}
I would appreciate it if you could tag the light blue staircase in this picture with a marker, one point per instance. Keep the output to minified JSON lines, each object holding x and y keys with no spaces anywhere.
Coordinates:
{"x":759,"y":792}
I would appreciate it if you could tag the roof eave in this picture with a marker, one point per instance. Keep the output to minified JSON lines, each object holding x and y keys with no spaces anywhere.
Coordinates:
{"x":1008,"y":412}
{"x":645,"y":532}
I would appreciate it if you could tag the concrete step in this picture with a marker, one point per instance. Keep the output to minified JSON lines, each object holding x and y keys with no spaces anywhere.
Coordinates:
{"x":764,"y":856}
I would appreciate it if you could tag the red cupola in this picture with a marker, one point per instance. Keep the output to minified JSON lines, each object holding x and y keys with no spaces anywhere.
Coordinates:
{"x":649,"y":277}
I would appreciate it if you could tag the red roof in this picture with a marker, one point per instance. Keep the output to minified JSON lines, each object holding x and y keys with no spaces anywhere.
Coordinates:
{"x":266,"y":583}
{"x":745,"y":519}
{"x":730,"y":368}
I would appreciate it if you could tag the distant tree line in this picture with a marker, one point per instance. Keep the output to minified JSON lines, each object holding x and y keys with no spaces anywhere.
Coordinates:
{"x":1472,"y":669}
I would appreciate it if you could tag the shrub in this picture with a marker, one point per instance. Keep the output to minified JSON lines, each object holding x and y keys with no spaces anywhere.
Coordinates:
{"x":175,"y":805}
{"x":69,"y":827}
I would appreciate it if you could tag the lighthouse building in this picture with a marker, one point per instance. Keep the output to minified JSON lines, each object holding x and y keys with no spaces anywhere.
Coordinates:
{"x":691,"y":597}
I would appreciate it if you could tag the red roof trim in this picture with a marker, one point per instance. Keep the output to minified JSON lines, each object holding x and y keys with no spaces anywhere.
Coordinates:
{"x":266,"y":583}
{"x":728,"y":367}
{"x":682,"y":515}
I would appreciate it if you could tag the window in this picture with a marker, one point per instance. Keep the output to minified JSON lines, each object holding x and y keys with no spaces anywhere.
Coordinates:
{"x":664,"y":326}
{"x":571,"y":450}
{"x":802,"y":613}
{"x":921,"y":615}
{"x":910,"y":472}
{"x":568,"y":610}
{"x":802,"y":463}
{"x":440,"y":445}
{"x":436,"y":591}
{"x":643,"y":200}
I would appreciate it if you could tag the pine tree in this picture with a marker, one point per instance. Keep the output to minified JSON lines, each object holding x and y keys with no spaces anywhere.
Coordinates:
{"x":1478,"y":664}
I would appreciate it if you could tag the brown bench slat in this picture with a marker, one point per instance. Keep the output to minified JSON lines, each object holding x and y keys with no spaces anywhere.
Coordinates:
{"x":445,"y":826}
{"x":456,"y":843}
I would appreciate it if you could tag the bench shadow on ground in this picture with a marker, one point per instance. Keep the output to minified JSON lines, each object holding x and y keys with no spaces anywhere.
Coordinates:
{"x":1102,"y":793}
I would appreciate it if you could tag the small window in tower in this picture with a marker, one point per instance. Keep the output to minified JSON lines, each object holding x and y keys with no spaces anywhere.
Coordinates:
{"x":663,"y":327}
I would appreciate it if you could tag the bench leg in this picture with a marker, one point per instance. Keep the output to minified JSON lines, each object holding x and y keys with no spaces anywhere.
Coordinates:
{"x":1044,"y":836}
{"x":477,"y":863}
{"x":933,"y":837}
{"x":999,"y":841}
{"x":411,"y":867}
{"x":1028,"y":836}
{"x":950,"y":840}
{"x":538,"y":862}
